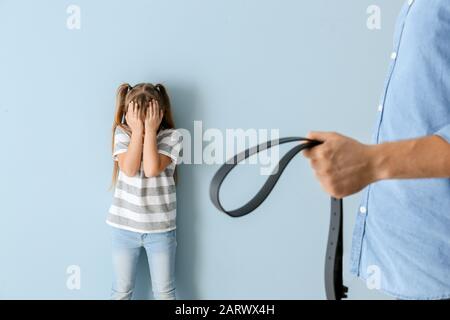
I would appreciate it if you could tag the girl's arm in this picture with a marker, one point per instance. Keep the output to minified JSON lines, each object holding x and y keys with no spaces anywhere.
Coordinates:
{"x":154,"y":162}
{"x":130,"y":161}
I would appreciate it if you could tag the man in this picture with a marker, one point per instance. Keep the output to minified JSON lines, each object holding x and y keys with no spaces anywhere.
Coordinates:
{"x":403,"y":223}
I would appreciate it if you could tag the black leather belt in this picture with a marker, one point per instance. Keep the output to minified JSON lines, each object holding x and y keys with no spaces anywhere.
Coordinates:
{"x":334,"y":287}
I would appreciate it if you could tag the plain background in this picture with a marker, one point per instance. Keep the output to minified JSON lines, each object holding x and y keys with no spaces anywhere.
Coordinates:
{"x":290,"y":65}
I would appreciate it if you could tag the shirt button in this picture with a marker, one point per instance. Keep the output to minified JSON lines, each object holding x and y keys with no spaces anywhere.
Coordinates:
{"x":380,"y":107}
{"x":362,"y":209}
{"x":410,"y":2}
{"x":394,"y":55}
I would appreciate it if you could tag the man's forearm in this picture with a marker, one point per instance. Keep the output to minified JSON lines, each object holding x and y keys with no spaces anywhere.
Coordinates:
{"x":427,"y":157}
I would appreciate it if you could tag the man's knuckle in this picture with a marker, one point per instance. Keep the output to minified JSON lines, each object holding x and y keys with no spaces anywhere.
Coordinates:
{"x":328,"y":170}
{"x":326,"y":152}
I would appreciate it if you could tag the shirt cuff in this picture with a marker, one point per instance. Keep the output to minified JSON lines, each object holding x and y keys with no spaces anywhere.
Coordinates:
{"x":116,"y":153}
{"x":171,"y":156}
{"x":444,"y":133}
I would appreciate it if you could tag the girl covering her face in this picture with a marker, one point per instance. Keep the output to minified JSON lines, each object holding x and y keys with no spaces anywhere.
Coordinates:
{"x":146,"y":148}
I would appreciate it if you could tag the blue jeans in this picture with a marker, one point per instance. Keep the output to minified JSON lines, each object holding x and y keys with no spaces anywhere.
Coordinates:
{"x":160,"y":248}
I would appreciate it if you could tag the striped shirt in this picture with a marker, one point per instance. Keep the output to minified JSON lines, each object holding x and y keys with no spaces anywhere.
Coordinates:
{"x":142,"y":204}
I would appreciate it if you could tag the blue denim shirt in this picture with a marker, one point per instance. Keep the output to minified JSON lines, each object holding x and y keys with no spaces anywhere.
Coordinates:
{"x":402,"y":229}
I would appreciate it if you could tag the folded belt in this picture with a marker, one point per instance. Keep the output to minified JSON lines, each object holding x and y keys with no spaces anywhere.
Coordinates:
{"x":335,"y":290}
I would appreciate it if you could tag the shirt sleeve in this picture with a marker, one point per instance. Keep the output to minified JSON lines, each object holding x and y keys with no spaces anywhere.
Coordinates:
{"x":171,"y":144}
{"x":444,"y":133}
{"x":121,"y":142}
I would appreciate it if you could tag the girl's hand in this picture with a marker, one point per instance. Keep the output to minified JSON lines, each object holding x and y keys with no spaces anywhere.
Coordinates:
{"x":153,"y":116}
{"x":133,"y":119}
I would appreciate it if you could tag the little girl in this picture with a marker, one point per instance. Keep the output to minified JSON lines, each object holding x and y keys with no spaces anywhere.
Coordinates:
{"x":146,"y":149}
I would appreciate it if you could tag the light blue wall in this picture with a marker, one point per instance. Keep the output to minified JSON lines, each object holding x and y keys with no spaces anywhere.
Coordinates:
{"x":294,"y":65}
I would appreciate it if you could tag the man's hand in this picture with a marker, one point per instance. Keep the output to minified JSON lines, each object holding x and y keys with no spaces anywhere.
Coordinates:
{"x":343,"y":165}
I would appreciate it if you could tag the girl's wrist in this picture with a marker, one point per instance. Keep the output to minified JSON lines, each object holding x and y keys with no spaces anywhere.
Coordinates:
{"x":150,"y":131}
{"x":137,"y":132}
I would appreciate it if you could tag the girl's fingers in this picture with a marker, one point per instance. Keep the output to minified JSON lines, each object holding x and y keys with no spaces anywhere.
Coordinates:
{"x":147,"y":113}
{"x":136,"y":111}
{"x":158,"y":107}
{"x":150,"y":110}
{"x":155,"y":110}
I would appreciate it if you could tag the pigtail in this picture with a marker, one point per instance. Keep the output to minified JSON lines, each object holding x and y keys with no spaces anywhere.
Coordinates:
{"x":167,"y":122}
{"x":122,"y":92}
{"x":120,"y":111}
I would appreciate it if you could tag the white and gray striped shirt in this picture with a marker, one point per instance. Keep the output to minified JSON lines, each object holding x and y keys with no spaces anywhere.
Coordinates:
{"x":142,"y":204}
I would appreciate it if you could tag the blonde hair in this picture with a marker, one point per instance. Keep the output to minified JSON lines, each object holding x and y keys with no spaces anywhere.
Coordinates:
{"x":141,"y":94}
